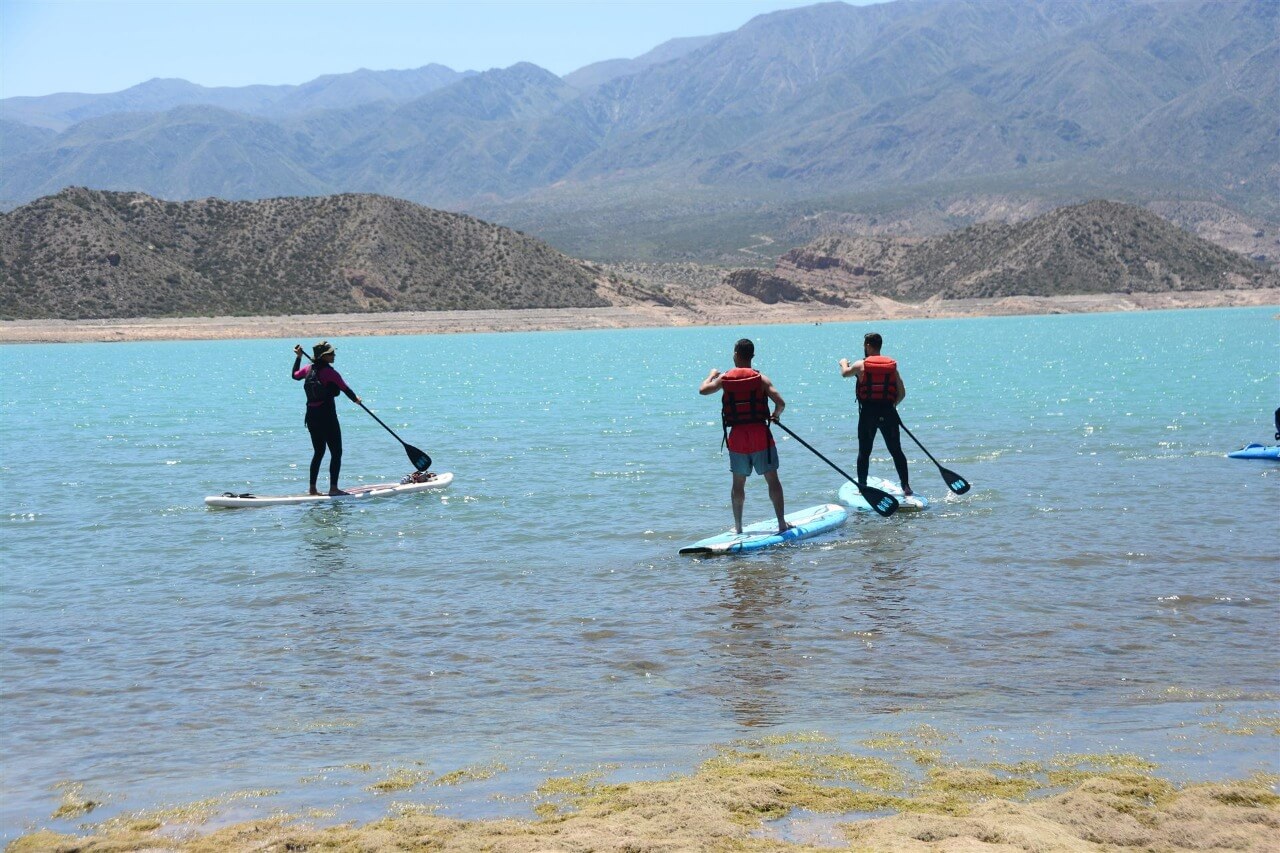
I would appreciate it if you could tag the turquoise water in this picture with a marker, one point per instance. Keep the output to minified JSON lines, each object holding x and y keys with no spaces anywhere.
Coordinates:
{"x":1109,"y":583}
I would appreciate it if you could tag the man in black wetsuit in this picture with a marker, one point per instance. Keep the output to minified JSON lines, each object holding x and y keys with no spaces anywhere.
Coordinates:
{"x":880,"y":390}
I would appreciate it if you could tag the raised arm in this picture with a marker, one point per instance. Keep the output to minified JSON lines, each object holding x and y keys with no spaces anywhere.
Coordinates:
{"x":712,"y":383}
{"x":847,"y":369}
{"x":297,"y":372}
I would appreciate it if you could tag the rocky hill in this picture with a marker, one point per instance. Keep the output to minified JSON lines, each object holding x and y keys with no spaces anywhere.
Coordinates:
{"x":1097,"y":247}
{"x":89,"y":254}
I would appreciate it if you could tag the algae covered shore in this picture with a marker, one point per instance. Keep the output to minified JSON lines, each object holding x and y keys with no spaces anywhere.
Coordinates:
{"x":786,"y":792}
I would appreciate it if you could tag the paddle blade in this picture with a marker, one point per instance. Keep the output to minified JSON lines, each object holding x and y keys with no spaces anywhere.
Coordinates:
{"x":420,"y":460}
{"x":882,"y":502}
{"x":954,"y":481}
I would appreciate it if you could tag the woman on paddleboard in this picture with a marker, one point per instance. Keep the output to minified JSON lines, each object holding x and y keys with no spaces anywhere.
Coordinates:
{"x":322,"y":385}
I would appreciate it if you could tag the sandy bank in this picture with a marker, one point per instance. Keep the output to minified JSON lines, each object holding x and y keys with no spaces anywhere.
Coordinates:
{"x":718,"y":310}
{"x":783,"y":794}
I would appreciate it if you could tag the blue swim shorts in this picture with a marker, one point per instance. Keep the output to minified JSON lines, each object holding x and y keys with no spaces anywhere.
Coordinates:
{"x":762,"y":461}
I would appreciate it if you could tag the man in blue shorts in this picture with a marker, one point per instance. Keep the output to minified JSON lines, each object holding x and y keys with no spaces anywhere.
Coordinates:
{"x":744,"y":411}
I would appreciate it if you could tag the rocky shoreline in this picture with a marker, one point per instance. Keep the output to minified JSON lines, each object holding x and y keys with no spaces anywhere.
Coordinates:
{"x":719,"y":307}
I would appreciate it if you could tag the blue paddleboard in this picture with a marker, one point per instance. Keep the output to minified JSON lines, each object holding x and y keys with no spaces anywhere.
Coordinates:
{"x":1256,"y":451}
{"x":764,"y":534}
{"x":852,"y":498}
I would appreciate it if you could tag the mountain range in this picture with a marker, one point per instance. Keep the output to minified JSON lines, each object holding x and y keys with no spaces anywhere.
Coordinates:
{"x":690,"y":149}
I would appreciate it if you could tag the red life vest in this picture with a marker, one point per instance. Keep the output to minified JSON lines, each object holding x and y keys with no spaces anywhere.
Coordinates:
{"x":744,"y":400}
{"x":879,"y":379}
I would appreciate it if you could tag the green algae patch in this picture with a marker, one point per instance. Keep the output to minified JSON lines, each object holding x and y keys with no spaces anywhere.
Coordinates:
{"x":469,"y":774}
{"x":190,"y":814}
{"x":918,"y":738}
{"x":402,"y":779}
{"x":414,"y":809}
{"x":977,"y":783}
{"x":923,"y":757}
{"x":1105,"y":760}
{"x":1247,"y":725}
{"x":868,"y":771}
{"x":782,"y":740}
{"x":74,"y":803}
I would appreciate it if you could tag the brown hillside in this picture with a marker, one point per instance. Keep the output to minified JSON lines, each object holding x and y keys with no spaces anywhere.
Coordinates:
{"x":1097,"y":247}
{"x":85,"y":254}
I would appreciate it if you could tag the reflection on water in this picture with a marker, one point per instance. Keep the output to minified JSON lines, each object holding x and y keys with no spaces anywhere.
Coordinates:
{"x":325,"y":538}
{"x":751,"y":651}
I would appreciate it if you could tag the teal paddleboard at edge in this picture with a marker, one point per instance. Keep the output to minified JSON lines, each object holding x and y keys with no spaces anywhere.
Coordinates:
{"x":852,"y":498}
{"x":764,"y":534}
{"x":1256,"y":451}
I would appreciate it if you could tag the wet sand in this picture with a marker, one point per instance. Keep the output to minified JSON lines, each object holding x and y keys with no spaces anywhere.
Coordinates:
{"x":718,"y":307}
{"x":786,"y":793}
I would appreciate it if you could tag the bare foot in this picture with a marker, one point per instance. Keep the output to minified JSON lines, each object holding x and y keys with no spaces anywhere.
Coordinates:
{"x":333,"y":492}
{"x":906,"y":490}
{"x":314,"y":491}
{"x":784,"y":527}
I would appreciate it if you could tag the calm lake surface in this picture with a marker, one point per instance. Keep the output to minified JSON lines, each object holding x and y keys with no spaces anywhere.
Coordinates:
{"x":1110,"y":583}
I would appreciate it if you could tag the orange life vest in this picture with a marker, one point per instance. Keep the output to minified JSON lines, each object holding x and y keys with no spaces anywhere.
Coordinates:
{"x":879,"y":379}
{"x":744,"y":400}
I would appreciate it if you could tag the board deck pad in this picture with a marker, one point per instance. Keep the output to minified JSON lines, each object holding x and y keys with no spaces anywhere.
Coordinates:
{"x":355,"y":493}
{"x":764,"y":534}
{"x":851,"y":497}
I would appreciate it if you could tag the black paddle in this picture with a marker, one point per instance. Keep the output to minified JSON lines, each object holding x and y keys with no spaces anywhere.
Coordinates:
{"x":882,"y":502}
{"x":417,"y":458}
{"x":954,"y":481}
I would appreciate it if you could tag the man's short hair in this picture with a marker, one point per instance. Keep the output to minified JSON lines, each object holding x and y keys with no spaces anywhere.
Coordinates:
{"x":874,"y":340}
{"x":745,"y":348}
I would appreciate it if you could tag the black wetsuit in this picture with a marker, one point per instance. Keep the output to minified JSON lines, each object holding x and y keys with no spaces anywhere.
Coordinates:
{"x":879,"y":415}
{"x":323,"y":384}
{"x":322,"y":423}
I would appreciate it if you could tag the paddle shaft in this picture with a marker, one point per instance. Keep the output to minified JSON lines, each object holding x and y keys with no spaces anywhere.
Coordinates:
{"x":817,"y":454}
{"x":882,"y":502}
{"x":917,"y":441}
{"x":384,"y":426}
{"x":954,"y":481}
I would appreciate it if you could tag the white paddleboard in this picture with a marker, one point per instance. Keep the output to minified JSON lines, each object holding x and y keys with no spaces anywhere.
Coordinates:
{"x":852,"y":498}
{"x":356,"y":493}
{"x":764,"y":534}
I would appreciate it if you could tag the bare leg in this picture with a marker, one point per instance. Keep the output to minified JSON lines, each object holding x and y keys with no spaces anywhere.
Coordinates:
{"x":775,"y":495}
{"x":738,"y":496}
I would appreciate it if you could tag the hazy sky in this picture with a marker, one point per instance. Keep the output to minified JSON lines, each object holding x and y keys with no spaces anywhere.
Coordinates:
{"x":51,"y":46}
